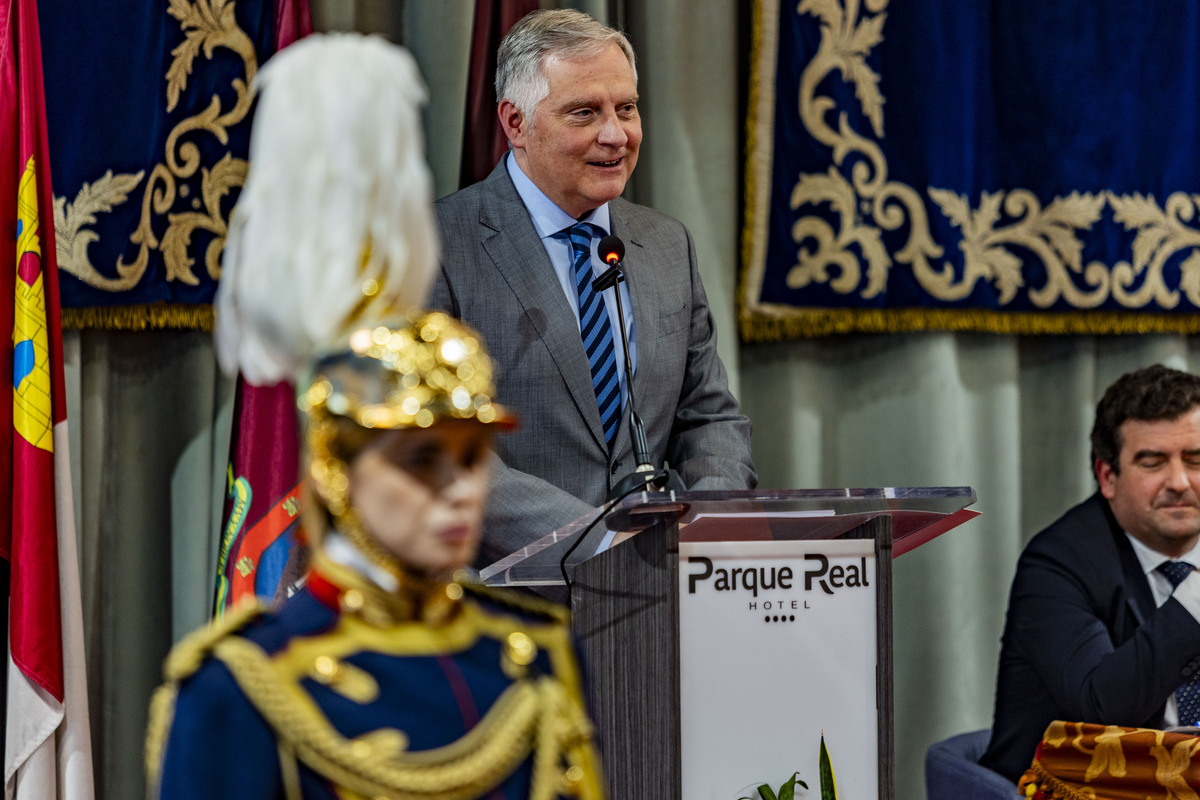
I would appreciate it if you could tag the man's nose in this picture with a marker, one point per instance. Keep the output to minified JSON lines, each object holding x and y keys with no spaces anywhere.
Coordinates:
{"x":612,"y":132}
{"x":1178,"y":478}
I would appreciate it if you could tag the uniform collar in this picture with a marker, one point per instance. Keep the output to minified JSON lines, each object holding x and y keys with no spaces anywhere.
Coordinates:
{"x":349,"y":591}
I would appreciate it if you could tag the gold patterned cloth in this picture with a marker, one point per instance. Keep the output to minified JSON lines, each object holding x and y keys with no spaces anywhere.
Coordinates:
{"x":1087,"y":761}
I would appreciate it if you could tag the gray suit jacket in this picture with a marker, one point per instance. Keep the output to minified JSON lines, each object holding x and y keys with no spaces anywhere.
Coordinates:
{"x":556,"y":467}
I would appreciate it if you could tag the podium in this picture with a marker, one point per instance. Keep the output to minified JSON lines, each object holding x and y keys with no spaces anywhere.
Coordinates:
{"x":734,"y":639}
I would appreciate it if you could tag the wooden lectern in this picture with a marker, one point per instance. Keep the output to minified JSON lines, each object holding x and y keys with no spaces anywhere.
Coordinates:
{"x":733,"y":639}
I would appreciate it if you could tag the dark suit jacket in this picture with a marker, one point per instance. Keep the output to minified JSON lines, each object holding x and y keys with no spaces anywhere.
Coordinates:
{"x":1083,"y":641}
{"x":556,"y":467}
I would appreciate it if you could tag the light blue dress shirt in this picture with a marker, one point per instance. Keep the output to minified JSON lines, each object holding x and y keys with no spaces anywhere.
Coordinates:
{"x":549,"y":221}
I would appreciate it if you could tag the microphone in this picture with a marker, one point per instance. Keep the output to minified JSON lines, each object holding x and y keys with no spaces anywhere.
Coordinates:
{"x":645,"y":476}
{"x":611,"y":249}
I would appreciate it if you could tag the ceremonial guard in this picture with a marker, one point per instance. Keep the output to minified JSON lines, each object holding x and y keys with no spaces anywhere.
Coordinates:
{"x":388,"y":675}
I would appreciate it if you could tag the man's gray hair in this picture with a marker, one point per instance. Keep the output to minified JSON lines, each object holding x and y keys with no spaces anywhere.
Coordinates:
{"x":564,"y":33}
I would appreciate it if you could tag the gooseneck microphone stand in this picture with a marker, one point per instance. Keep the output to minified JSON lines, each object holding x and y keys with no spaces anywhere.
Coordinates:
{"x":645,"y":476}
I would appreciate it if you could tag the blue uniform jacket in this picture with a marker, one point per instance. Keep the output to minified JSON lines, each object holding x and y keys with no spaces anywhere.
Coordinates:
{"x":339,"y":696}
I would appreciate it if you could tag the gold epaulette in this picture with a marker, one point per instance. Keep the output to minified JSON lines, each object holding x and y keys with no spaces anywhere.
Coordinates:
{"x":187,"y":656}
{"x":524,"y":602}
{"x":183,"y":661}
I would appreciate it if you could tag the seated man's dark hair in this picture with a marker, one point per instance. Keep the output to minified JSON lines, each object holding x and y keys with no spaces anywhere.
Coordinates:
{"x":1148,"y":394}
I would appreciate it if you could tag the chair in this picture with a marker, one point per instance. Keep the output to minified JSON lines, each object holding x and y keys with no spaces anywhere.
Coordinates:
{"x":953,"y":772}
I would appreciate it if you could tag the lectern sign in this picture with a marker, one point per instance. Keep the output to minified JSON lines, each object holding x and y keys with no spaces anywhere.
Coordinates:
{"x":777,"y":647}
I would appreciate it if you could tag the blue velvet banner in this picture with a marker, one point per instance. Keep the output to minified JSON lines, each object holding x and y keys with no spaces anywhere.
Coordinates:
{"x":1026,"y":166}
{"x":148,"y":107}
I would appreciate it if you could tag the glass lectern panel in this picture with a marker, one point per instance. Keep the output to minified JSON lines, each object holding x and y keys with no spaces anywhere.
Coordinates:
{"x":918,"y":514}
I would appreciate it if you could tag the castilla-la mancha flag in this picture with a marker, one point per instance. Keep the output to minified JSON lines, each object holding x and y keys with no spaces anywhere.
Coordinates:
{"x":47,"y":754}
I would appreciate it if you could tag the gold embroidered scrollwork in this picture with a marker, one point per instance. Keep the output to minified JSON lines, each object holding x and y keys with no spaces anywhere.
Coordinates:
{"x":1049,"y":234}
{"x":995,"y":251}
{"x":846,"y":41}
{"x":72,"y":234}
{"x":1161,"y":233}
{"x":207,"y":25}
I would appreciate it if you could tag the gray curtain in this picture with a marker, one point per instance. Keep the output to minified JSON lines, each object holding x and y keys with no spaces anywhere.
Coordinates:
{"x":148,"y":415}
{"x":1008,"y":416}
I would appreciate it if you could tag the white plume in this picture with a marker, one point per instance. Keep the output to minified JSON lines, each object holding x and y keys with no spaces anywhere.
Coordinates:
{"x":338,"y":194}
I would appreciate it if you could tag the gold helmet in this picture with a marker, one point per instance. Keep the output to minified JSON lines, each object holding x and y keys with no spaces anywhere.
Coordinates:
{"x":431,"y":368}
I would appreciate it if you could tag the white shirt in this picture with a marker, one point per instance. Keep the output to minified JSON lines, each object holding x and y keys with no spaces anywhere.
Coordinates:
{"x":1187,"y":593}
{"x":549,"y":221}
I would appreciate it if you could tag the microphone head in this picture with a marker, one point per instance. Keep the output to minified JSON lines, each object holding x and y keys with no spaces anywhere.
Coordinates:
{"x":611,"y":249}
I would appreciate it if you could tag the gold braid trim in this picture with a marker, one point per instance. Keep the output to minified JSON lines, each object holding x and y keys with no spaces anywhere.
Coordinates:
{"x":289,"y":772}
{"x":529,"y":711}
{"x":155,"y":316}
{"x":162,"y":711}
{"x":521,"y":601}
{"x":184,"y":659}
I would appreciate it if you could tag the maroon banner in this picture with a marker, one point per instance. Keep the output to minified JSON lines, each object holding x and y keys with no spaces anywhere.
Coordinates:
{"x":483,"y":138}
{"x":262,"y":547}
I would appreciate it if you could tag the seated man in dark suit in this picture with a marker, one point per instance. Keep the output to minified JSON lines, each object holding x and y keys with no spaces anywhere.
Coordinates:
{"x":1104,"y":617}
{"x":519,"y":257}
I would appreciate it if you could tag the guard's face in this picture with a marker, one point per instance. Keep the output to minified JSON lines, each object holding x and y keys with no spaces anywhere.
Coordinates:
{"x":1156,"y":494}
{"x":420,"y":493}
{"x":583,"y":142}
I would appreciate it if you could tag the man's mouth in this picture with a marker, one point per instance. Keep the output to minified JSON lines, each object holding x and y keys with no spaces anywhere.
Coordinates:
{"x":616,"y":162}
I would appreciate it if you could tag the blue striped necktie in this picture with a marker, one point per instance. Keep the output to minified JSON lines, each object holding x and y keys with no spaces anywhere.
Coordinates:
{"x":596,"y":331}
{"x":1187,"y":696}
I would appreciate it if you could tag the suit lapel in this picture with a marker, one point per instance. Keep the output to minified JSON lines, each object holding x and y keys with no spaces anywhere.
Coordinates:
{"x":1139,"y":599}
{"x":516,"y":251}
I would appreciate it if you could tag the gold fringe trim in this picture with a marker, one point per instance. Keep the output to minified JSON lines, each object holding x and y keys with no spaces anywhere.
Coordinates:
{"x":152,"y":316}
{"x":758,"y":155}
{"x":813,"y":323}
{"x":1050,"y":787}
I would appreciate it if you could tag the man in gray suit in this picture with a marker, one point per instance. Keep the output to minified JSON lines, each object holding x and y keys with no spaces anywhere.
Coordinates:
{"x":517,"y":266}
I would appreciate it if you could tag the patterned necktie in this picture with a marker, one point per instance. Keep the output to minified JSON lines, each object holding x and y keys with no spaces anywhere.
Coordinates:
{"x":1187,"y":696}
{"x":596,"y":331}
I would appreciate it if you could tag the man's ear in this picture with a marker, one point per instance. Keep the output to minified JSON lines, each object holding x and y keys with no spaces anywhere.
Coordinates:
{"x":513,"y":122}
{"x":1106,"y":476}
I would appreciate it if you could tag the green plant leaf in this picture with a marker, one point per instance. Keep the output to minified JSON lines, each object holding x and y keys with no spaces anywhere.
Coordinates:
{"x":766,"y":793}
{"x":788,"y":790}
{"x":828,"y":787}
